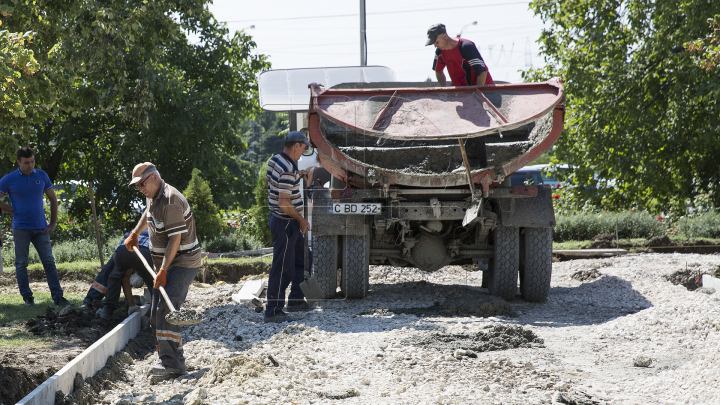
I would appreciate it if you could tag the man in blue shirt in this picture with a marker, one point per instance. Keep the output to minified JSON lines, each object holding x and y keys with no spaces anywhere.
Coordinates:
{"x":25,"y":187}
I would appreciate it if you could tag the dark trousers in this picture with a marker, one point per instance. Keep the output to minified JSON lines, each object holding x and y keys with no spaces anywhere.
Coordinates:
{"x":123,"y":261}
{"x":98,"y":288}
{"x":288,"y":264}
{"x":167,"y":335}
{"x":109,"y":280}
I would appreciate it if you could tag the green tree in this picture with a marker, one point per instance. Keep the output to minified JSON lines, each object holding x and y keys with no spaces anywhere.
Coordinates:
{"x":208,"y":223}
{"x":640,"y":110}
{"x":121,"y":83}
{"x":264,"y":135}
{"x":707,"y":50}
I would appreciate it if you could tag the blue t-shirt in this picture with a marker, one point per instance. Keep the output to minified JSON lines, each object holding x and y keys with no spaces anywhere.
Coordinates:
{"x":26,"y":195}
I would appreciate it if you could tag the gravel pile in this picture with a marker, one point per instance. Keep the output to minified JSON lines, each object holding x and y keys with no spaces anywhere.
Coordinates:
{"x":626,"y":335}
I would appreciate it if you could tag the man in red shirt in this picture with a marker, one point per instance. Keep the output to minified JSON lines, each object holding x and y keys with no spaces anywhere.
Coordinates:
{"x":462,"y":59}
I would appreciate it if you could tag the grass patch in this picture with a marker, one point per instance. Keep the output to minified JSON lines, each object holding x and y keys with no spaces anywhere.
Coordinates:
{"x":13,"y":313}
{"x":64,"y":252}
{"x":73,"y":271}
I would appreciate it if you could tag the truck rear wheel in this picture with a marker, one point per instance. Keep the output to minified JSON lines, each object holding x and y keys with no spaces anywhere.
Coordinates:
{"x":355,"y":266}
{"x":505,"y":262}
{"x":325,"y":263}
{"x":537,"y":264}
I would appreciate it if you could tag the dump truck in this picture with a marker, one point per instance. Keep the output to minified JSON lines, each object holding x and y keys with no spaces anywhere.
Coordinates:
{"x":421,"y":177}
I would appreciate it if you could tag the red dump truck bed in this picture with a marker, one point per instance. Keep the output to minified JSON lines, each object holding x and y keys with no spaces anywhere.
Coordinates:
{"x":405,"y":134}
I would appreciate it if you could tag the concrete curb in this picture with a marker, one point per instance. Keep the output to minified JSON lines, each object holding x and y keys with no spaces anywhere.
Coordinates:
{"x":88,"y":362}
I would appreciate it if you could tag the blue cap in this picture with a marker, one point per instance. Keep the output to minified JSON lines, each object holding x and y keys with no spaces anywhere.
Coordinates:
{"x":297,"y":136}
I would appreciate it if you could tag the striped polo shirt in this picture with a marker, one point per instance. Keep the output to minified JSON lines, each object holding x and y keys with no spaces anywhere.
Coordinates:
{"x":169,"y":214}
{"x":282,"y":176}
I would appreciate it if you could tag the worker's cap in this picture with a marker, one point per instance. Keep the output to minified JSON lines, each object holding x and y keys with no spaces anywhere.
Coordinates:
{"x":141,"y":171}
{"x":433,"y":32}
{"x":297,"y":136}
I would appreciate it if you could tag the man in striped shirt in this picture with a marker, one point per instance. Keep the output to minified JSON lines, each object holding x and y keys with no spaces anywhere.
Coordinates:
{"x":288,"y":228}
{"x":175,"y":252}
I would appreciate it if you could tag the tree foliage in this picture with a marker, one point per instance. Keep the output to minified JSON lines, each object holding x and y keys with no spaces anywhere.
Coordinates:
{"x":707,"y":49}
{"x":208,"y":223}
{"x":642,"y":115}
{"x":264,"y":135}
{"x":120,"y":83}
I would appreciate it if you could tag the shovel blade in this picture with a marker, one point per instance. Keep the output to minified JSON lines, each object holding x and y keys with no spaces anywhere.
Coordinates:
{"x":472,"y":213}
{"x":312,"y":290}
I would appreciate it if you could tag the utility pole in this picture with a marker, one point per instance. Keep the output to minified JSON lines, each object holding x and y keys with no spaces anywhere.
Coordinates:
{"x":363,"y":38}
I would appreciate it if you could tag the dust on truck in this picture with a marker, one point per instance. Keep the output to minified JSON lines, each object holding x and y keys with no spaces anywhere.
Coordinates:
{"x":421,"y":177}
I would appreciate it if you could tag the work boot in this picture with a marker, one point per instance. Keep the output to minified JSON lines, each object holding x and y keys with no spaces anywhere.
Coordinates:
{"x":278,"y":317}
{"x":158,"y":372}
{"x":30,"y":302}
{"x":300,"y":307}
{"x":62,"y":302}
{"x":84,"y":306}
{"x":102,"y":313}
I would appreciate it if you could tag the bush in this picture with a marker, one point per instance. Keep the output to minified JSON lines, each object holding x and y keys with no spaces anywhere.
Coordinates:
{"x":207,"y":215}
{"x":587,"y":226}
{"x":705,"y":225}
{"x":256,"y":220}
{"x":233,"y":242}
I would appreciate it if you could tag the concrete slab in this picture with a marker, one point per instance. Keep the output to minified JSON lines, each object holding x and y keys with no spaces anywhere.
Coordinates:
{"x":710,"y":281}
{"x":245,"y":253}
{"x":88,"y":362}
{"x":251,"y":289}
{"x":591,"y":252}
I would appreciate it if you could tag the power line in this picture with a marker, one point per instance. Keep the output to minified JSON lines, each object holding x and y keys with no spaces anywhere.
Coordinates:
{"x":377,"y":13}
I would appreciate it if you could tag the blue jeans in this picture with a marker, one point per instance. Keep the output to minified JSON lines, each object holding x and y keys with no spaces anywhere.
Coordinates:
{"x":288,"y":264}
{"x":41,"y":241}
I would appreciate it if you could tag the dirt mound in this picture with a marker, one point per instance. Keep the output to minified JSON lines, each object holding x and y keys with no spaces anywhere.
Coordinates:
{"x":454,"y":307}
{"x":75,"y":322}
{"x":230,"y":272}
{"x":498,"y":337}
{"x":237,"y":369}
{"x":659,"y":241}
{"x":602,"y":241}
{"x":690,"y":279}
{"x":16,"y":382}
{"x":586,"y":275}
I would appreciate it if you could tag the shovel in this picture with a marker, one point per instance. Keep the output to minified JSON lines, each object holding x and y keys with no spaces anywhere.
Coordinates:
{"x":184,"y":316}
{"x":310,"y":287}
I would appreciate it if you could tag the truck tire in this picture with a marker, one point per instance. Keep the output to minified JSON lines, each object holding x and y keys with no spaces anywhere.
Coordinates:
{"x":505,"y":262}
{"x":355,"y":267}
{"x":325,"y":263}
{"x":537,"y":264}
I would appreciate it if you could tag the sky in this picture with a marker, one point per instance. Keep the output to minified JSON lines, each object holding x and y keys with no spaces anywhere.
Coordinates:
{"x":319,"y":33}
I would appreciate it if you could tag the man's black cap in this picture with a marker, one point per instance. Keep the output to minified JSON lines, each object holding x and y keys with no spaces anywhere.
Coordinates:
{"x":433,"y":33}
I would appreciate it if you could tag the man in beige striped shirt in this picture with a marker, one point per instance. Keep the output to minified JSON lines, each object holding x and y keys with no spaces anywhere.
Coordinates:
{"x":175,"y":252}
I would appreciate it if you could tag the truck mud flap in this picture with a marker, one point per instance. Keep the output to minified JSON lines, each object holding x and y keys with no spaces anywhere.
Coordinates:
{"x":536,"y":212}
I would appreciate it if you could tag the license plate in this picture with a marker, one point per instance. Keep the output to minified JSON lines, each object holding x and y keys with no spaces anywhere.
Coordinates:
{"x":354,"y":208}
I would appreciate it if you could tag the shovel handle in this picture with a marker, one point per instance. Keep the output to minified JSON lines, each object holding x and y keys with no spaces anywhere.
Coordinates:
{"x":152,"y":273}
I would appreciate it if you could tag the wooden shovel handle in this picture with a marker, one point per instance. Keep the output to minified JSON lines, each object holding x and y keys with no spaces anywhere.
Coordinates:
{"x":152,"y":273}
